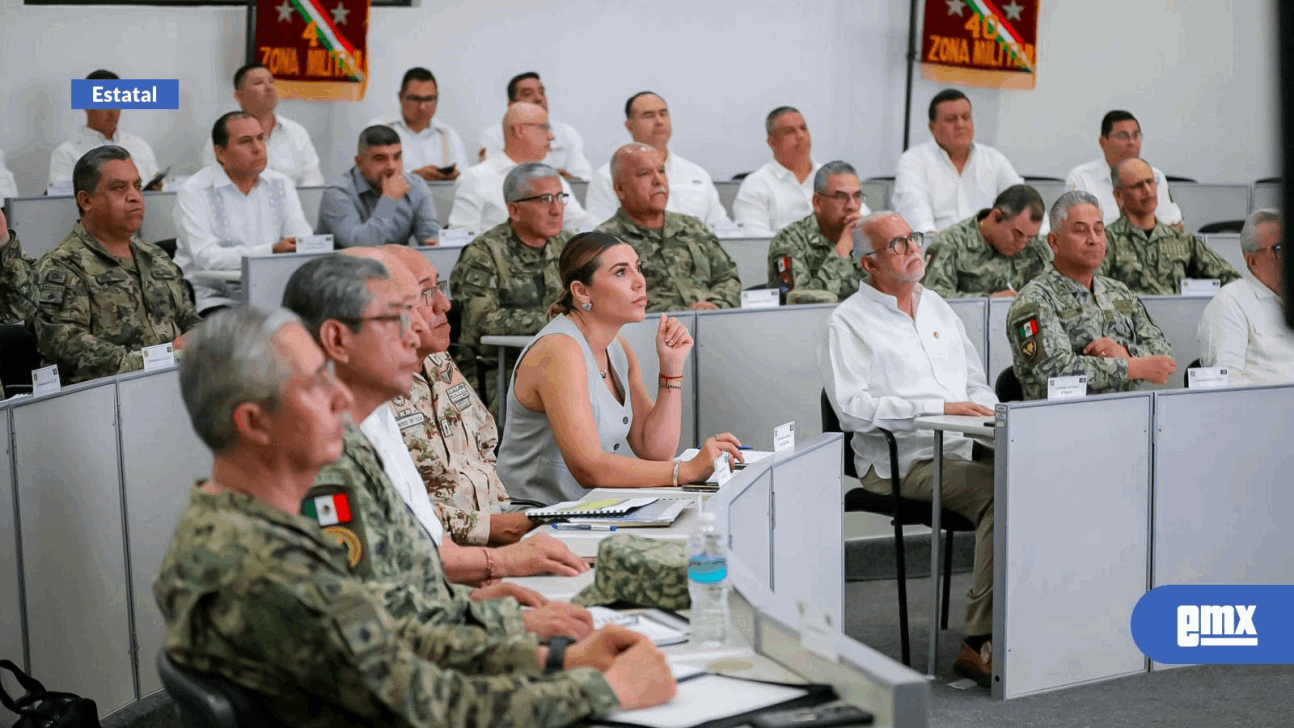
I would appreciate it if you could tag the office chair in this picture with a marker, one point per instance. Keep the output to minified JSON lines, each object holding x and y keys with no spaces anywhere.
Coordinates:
{"x":1172,"y":178}
{"x":902,"y":512}
{"x":1007,"y":387}
{"x":740,"y":176}
{"x":455,"y":318}
{"x":19,"y":358}
{"x":1270,"y":181}
{"x":1040,"y":178}
{"x":209,"y":701}
{"x":168,"y":246}
{"x":1186,"y":373}
{"x":1222,"y":226}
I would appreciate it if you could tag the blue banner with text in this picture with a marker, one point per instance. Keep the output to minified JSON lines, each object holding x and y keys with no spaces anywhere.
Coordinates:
{"x":1218,"y":624}
{"x":126,"y":93}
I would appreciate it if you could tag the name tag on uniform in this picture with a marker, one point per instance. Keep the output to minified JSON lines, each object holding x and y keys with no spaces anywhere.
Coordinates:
{"x":157,"y":357}
{"x":314,"y":244}
{"x":460,"y":396}
{"x":45,"y":381}
{"x":762,"y":298}
{"x":417,"y":418}
{"x":1067,"y":387}
{"x":784,"y":437}
{"x":1207,"y":378}
{"x":1200,"y":286}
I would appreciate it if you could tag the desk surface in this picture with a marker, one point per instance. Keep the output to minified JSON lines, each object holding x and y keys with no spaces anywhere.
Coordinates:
{"x":965,"y":424}
{"x":515,"y":342}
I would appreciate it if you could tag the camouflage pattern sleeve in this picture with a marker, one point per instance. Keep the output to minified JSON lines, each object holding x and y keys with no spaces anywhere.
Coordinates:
{"x":1041,"y":348}
{"x":1150,"y":339}
{"x":1206,"y":263}
{"x":724,"y":283}
{"x":464,"y":525}
{"x":941,"y":269}
{"x":476,"y":281}
{"x":63,"y":330}
{"x":17,"y":282}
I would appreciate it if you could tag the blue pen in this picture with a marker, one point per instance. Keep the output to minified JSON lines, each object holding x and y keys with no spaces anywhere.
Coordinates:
{"x":581,"y":527}
{"x":745,"y":447}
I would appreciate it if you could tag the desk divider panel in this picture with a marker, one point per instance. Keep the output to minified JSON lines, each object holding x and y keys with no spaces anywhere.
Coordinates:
{"x":999,"y":349}
{"x":727,"y":190}
{"x":42,"y":222}
{"x":311,"y":199}
{"x":159,"y":216}
{"x":265,"y":276}
{"x":808,"y":524}
{"x":442,"y":196}
{"x":1266,"y":196}
{"x":1048,"y":191}
{"x":641,"y":337}
{"x":580,"y":188}
{"x":1178,"y":317}
{"x":744,"y":511}
{"x":751,"y":258}
{"x":12,"y":623}
{"x":68,"y":480}
{"x":161,"y":459}
{"x":1205,"y":203}
{"x":442,"y":257}
{"x":1227,"y":245}
{"x":1071,"y":547}
{"x":877,"y":194}
{"x":974,"y":315}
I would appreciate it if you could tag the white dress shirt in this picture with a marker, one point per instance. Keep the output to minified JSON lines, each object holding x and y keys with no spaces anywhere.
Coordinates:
{"x":770,"y":198}
{"x":882,"y":368}
{"x":383,"y":433}
{"x":67,"y":154}
{"x":289,"y":152}
{"x":1094,"y":177}
{"x":931,"y":195}
{"x":691,"y":192}
{"x":216,"y":225}
{"x":438,"y":145}
{"x":1243,"y":329}
{"x":565,"y":152}
{"x":478,"y":199}
{"x":8,"y":187}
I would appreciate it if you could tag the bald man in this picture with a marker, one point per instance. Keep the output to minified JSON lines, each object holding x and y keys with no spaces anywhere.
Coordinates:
{"x":478,"y":196}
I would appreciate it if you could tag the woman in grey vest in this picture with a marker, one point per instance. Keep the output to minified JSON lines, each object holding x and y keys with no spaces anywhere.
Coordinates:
{"x":579,"y":414}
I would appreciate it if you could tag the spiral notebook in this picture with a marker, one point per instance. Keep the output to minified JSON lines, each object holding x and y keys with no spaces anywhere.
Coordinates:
{"x":581,"y":509}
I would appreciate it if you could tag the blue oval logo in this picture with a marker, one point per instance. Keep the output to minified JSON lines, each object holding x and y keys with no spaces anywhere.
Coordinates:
{"x":1220,"y":624}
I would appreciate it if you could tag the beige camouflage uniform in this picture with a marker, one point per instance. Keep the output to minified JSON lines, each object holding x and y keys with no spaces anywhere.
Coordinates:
{"x":17,"y":282}
{"x":802,"y":259}
{"x":682,"y":262}
{"x":1055,"y":317}
{"x":95,"y":311}
{"x":962,"y":263}
{"x":505,"y":287}
{"x":1156,"y":263}
{"x":266,"y":600}
{"x":451,"y":437}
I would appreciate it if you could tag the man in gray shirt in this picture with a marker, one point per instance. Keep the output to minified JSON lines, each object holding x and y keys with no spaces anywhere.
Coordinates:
{"x":376,"y":202}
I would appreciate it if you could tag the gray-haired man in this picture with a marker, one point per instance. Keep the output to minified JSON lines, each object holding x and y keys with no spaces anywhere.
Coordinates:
{"x":812,"y":259}
{"x":377,"y":202}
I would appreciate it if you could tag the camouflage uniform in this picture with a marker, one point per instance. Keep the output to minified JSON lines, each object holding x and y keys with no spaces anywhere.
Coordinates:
{"x":265,"y":599}
{"x":391,"y":551}
{"x":682,"y":261}
{"x":801,"y":258}
{"x":451,"y":437}
{"x":1055,"y":317}
{"x":95,"y":311}
{"x":1156,"y":263}
{"x":17,"y":282}
{"x":962,"y":263}
{"x":506,"y":287}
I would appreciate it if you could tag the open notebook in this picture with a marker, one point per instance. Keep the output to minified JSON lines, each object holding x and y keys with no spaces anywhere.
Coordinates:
{"x":600,"y":507}
{"x":660,"y":514}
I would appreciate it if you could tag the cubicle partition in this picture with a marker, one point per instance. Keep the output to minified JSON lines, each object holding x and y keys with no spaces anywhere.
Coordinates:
{"x":751,"y":257}
{"x":1227,"y":245}
{"x":876,"y":193}
{"x":442,"y":196}
{"x":159,"y":217}
{"x":1266,"y":195}
{"x":12,"y":623}
{"x":1049,"y":191}
{"x":580,"y":188}
{"x":1205,"y":203}
{"x":42,"y":222}
{"x":265,"y":276}
{"x":727,"y":190}
{"x":311,"y":198}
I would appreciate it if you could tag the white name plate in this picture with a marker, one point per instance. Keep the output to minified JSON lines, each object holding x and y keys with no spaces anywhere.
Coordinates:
{"x":1207,"y":378}
{"x":455,"y":237}
{"x":45,"y":381}
{"x":784,"y":437}
{"x":1200,"y":286}
{"x":1067,"y":387}
{"x":314,"y":244}
{"x":157,"y":357}
{"x":722,"y":473}
{"x":761,"y":298}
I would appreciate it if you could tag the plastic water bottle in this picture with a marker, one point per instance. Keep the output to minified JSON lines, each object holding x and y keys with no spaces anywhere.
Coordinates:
{"x":707,"y":582}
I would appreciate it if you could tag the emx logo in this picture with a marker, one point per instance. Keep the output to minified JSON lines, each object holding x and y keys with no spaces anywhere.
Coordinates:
{"x":1217,"y":624}
{"x":1225,"y":626}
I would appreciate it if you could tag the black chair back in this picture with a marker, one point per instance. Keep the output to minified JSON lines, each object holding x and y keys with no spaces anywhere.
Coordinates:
{"x":1040,"y":178}
{"x":831,"y":423}
{"x":1222,"y":226}
{"x":18,"y":356}
{"x":1174,"y":178}
{"x":1007,"y":387}
{"x":209,"y":701}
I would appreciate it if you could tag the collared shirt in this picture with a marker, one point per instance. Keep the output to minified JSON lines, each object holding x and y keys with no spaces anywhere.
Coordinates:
{"x":479,"y":205}
{"x":357,"y":214}
{"x":216,"y":225}
{"x":566,"y":151}
{"x":1094,"y":178}
{"x":770,"y":198}
{"x":438,"y":145}
{"x":691,"y":192}
{"x":66,"y":155}
{"x":682,"y":260}
{"x":1055,"y":317}
{"x":931,"y":195}
{"x":8,"y":186}
{"x":17,"y":282}
{"x":882,"y":368}
{"x":962,"y":263}
{"x":1156,"y":262}
{"x":383,"y":433}
{"x":801,"y":258}
{"x":1243,"y":329}
{"x":289,"y":151}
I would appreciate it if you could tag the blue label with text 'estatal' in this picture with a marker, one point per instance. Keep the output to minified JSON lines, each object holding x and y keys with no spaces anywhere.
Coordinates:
{"x":126,"y":93}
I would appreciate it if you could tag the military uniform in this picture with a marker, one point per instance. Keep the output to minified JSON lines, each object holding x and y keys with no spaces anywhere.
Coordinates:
{"x":1055,"y":317}
{"x":17,"y":282}
{"x":267,"y":600}
{"x":962,"y":263}
{"x":801,"y":258}
{"x":506,"y":288}
{"x":682,"y":262}
{"x":95,"y":311}
{"x":388,"y":547}
{"x":1157,"y":262}
{"x":451,"y":437}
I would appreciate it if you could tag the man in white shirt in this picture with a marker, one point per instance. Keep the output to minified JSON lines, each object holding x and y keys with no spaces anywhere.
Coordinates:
{"x":896,"y":351}
{"x":1120,"y":139}
{"x":691,"y":191}
{"x":430,"y":145}
{"x":287,"y":143}
{"x":780,"y":192}
{"x":478,"y":196}
{"x":944,"y":181}
{"x":233,"y":209}
{"x":100,"y":129}
{"x":1243,"y":329}
{"x":565,"y":154}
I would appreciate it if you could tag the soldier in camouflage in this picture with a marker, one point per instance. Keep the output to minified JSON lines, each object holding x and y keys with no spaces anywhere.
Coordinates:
{"x":993,"y":253}
{"x":17,"y":278}
{"x":1145,"y":254}
{"x":506,"y":278}
{"x":682,"y":260}
{"x":811,"y":260}
{"x":1070,"y":321}
{"x":104,"y":293}
{"x":253,"y":591}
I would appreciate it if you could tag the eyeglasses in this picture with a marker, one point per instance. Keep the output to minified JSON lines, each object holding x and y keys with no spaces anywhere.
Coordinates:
{"x":545,"y":127}
{"x":1276,"y":250}
{"x":429,"y":293}
{"x":403,"y":318}
{"x":421,"y":99}
{"x":901,"y":245}
{"x":560,"y":198}
{"x":843,"y":197}
{"x":1124,"y":136}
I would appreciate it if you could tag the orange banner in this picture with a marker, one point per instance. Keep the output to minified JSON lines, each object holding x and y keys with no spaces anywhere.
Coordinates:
{"x":981,"y":43}
{"x":316,"y":49}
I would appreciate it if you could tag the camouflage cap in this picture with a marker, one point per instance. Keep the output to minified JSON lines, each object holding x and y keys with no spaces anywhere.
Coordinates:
{"x":810,"y":295}
{"x":642,"y":571}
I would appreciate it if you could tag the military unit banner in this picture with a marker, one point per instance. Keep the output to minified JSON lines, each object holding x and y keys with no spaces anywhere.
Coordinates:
{"x":316,"y":49}
{"x":981,"y":43}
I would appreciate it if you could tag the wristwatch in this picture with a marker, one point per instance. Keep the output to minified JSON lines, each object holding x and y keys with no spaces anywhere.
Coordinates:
{"x":557,"y":654}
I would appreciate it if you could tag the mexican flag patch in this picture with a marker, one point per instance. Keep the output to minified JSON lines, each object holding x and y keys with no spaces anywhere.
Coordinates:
{"x":329,"y":510}
{"x":1028,"y":328}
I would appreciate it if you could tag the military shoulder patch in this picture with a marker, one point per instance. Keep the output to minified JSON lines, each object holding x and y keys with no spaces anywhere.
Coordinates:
{"x":350,"y":541}
{"x":328,"y":509}
{"x":52,"y":294}
{"x":1024,"y":329}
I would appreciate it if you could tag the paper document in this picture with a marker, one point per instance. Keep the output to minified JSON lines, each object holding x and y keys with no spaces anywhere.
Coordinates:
{"x":643,"y":623}
{"x":708,"y":698}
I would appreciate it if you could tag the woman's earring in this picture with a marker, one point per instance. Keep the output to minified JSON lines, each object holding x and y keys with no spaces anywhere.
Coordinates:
{"x":586,"y":306}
